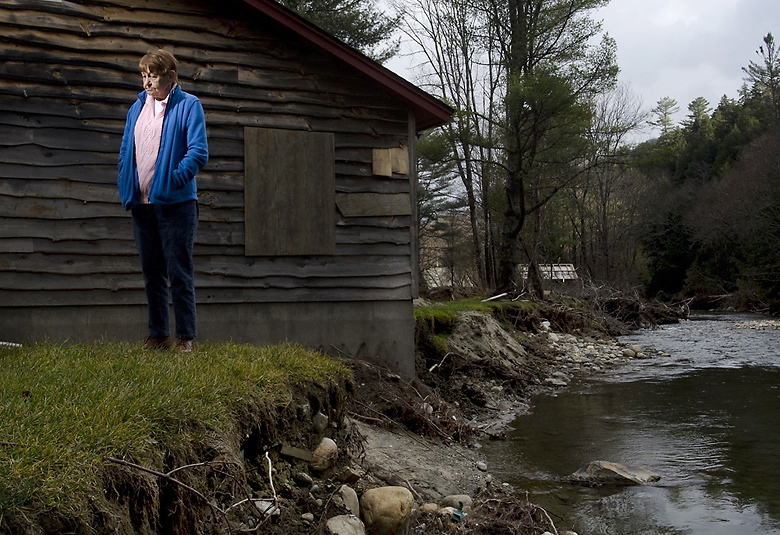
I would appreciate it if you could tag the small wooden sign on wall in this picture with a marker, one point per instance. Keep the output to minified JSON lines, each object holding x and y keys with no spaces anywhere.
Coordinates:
{"x":394,"y":160}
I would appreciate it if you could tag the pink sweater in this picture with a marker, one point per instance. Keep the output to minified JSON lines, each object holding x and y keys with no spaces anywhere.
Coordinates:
{"x":148,"y":132}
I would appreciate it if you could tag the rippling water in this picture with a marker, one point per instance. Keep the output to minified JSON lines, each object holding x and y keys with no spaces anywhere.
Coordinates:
{"x":706,"y":418}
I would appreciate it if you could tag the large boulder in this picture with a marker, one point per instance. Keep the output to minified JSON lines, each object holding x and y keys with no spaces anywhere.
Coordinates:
{"x":387,"y":510}
{"x":600,"y":473}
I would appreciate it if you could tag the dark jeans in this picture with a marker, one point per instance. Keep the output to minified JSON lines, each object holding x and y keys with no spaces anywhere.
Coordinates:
{"x":165,"y":236}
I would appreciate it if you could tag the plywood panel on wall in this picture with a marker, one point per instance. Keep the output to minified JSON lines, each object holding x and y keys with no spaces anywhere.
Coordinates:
{"x":289,"y":192}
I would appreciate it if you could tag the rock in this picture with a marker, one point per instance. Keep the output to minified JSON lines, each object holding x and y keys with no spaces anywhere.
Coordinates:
{"x":349,"y":475}
{"x":267,"y":508}
{"x":304,"y":479}
{"x":598,"y":473}
{"x":629,"y":353}
{"x":345,"y":525}
{"x":325,"y":455}
{"x":308,"y":517}
{"x":429,"y":508}
{"x":350,"y":498}
{"x":482,"y":466}
{"x":387,"y":510}
{"x":561,"y":375}
{"x":554,"y":381}
{"x":635,"y":348}
{"x":297,"y":453}
{"x":454,"y":500}
{"x":320,"y":422}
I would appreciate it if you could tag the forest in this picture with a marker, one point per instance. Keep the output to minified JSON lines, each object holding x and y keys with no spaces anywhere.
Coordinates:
{"x":540,"y":164}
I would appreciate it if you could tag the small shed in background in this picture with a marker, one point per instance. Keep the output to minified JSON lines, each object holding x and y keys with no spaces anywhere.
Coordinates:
{"x":307,"y":209}
{"x":555,"y":272}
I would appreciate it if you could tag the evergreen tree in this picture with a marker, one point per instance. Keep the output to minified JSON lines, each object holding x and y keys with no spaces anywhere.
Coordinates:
{"x":356,"y":22}
{"x":697,"y":159}
{"x":700,"y":112}
{"x":664,"y":111}
{"x":765,"y":76}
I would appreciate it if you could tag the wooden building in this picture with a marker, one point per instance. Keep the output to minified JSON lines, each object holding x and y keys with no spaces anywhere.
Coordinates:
{"x":307,"y":226}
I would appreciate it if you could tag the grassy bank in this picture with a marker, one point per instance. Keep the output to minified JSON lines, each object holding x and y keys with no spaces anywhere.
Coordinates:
{"x":64,"y":410}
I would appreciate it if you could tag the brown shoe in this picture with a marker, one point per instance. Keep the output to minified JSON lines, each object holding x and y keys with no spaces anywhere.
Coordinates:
{"x":151,"y":342}
{"x":183,"y":346}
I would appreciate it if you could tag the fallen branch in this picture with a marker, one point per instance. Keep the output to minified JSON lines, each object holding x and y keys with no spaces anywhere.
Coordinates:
{"x":552,"y":524}
{"x":366,"y":418}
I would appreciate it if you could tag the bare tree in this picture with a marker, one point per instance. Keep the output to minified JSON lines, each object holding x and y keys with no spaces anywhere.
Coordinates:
{"x":453,"y":39}
{"x":606,"y":198}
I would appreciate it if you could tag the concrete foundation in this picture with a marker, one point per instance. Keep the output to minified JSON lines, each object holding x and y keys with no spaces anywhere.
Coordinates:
{"x":378,"y":332}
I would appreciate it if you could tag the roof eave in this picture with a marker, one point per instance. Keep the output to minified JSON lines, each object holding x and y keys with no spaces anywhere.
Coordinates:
{"x":429,"y":111}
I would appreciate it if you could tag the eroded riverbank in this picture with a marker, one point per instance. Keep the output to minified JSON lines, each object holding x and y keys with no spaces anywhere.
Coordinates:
{"x":421,"y":434}
{"x":487,"y":378}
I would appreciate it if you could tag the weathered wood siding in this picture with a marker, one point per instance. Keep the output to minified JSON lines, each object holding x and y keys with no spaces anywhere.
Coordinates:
{"x":68,"y":74}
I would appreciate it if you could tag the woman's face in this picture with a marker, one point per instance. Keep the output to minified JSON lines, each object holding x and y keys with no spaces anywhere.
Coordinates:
{"x":156,"y":85}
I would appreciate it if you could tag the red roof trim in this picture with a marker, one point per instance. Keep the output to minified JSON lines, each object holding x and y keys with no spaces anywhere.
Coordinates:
{"x":429,"y":110}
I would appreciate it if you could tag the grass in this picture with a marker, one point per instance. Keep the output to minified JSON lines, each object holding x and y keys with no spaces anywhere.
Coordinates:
{"x":65,"y":409}
{"x":446,"y":312}
{"x":442,"y":315}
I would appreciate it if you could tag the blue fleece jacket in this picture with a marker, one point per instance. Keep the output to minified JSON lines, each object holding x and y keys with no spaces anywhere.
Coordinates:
{"x":183,"y":152}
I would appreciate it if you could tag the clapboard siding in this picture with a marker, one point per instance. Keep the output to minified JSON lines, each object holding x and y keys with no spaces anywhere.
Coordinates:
{"x":242,"y":273}
{"x":106,"y":295}
{"x":68,"y":74}
{"x":209,"y":232}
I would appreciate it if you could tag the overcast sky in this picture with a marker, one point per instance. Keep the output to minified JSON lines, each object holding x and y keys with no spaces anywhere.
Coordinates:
{"x":680,"y":48}
{"x":687,"y":48}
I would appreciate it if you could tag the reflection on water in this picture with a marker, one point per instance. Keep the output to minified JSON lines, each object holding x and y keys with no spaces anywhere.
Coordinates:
{"x":707,"y":419}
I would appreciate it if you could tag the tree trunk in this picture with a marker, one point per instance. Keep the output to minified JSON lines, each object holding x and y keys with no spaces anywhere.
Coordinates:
{"x":535,"y":283}
{"x":466,"y":170}
{"x":514,"y":219}
{"x":515,"y":212}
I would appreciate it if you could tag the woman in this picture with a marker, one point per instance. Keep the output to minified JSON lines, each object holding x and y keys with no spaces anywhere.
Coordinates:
{"x":163,"y":148}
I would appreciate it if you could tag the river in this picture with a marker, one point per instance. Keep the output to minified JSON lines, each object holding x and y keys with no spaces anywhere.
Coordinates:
{"x":706,"y":418}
